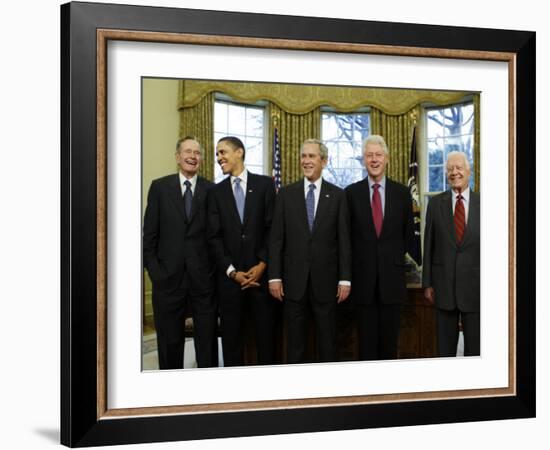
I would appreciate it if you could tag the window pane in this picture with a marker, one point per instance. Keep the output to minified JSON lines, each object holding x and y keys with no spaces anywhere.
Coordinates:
{"x":245,"y":123}
{"x":435,"y":122}
{"x":457,"y":126}
{"x":254,"y":122}
{"x":343,"y":134}
{"x":254,"y":151}
{"x":220,"y":117}
{"x":237,"y":120}
{"x":436,"y":182}
{"x":435,"y":153}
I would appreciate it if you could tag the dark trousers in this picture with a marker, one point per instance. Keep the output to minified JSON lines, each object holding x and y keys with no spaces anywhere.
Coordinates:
{"x":296,"y":314}
{"x":448,"y":331}
{"x":378,"y":326}
{"x":236,"y":306}
{"x":170,"y":307}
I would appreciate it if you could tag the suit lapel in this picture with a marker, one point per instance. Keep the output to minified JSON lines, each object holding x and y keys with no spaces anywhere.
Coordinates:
{"x":299,"y":203}
{"x":322,"y":205}
{"x":174,"y":190}
{"x":389,"y":206}
{"x":197,"y":198}
{"x":473,"y":217}
{"x":250,"y":198}
{"x":229,"y":199}
{"x":447,"y":214}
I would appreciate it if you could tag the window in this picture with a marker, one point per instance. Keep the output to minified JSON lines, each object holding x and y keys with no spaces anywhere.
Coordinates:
{"x":247,"y":123}
{"x":448,"y":129}
{"x":343,"y":134}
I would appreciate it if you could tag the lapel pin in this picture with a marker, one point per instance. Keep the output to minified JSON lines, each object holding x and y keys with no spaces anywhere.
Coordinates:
{"x":327,"y":195}
{"x":250,"y":190}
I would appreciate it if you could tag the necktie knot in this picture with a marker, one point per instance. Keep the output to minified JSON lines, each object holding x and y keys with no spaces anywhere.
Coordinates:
{"x":312,"y":187}
{"x":375,"y":186}
{"x":238,"y":181}
{"x":459,"y":197}
{"x":187,"y":184}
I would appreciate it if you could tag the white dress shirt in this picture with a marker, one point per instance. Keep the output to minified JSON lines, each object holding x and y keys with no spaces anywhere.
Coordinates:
{"x":381,"y":189}
{"x":183,"y":179}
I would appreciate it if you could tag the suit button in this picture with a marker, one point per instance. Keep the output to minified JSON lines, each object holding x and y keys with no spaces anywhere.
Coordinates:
{"x":243,"y":236}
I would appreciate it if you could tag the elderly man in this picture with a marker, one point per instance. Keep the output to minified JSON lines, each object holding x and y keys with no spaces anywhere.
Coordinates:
{"x":451,"y":259}
{"x":240,"y":211}
{"x":176,"y":258}
{"x":382,"y":232}
{"x":310,"y":254}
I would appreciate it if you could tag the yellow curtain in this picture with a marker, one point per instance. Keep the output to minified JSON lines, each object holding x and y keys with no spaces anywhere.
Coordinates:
{"x":397,"y":131}
{"x":293,"y":129}
{"x":198,"y":121}
{"x":302,"y":98}
{"x":477,"y":144}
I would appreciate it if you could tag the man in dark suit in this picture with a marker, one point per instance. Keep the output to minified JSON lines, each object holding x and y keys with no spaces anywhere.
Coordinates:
{"x":310,"y":254}
{"x":240,"y":211}
{"x":451,"y":259}
{"x":381,"y":233}
{"x":176,"y":258}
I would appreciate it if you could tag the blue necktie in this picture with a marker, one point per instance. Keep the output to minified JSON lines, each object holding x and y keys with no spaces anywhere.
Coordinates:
{"x":310,"y":206}
{"x":239,"y":197}
{"x":188,"y":198}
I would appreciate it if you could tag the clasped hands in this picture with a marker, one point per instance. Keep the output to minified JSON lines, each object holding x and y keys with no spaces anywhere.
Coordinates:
{"x":251,"y":277}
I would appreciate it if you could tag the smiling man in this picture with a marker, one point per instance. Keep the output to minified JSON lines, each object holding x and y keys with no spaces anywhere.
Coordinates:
{"x":240,"y":211}
{"x":381,"y":233}
{"x":310,"y":254}
{"x":176,"y":258}
{"x":450,"y":271}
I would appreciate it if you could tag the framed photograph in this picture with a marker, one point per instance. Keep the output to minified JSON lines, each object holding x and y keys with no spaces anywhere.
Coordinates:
{"x":108,"y":54}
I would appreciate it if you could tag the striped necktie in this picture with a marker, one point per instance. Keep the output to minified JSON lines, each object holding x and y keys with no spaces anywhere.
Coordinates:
{"x":310,"y":206}
{"x":459,"y":219}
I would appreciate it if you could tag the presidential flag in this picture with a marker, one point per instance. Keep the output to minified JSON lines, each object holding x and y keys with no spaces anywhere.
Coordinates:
{"x":415,"y":251}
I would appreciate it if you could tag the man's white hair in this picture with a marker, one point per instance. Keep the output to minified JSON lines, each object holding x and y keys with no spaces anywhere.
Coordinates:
{"x":377,"y":140}
{"x":461,"y":154}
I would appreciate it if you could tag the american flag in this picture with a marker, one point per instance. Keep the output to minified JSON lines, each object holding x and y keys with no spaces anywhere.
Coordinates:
{"x":276,"y":173}
{"x":415,"y":251}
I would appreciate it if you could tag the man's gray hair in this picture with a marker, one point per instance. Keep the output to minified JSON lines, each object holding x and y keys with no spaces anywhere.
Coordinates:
{"x":323,"y":150}
{"x":462,"y":154}
{"x":376,"y":139}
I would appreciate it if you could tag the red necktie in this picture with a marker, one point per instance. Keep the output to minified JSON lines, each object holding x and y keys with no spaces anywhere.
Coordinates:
{"x":460,"y":219}
{"x":376,"y":206}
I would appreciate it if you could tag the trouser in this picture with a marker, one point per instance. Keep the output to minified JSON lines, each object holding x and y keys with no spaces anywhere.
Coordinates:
{"x":448,"y":331}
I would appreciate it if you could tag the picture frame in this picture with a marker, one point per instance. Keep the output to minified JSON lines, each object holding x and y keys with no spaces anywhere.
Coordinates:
{"x":85,"y":29}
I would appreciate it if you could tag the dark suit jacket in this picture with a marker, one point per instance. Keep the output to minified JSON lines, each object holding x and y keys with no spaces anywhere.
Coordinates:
{"x":296,"y":252}
{"x":380,"y":259}
{"x":173,"y":245}
{"x":232,"y":242}
{"x":452,"y":269}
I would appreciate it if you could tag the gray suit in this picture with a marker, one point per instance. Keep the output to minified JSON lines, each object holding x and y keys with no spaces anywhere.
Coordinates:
{"x":453,"y":271}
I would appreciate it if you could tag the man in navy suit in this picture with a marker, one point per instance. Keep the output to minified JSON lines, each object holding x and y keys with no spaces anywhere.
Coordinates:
{"x":381,"y":233}
{"x":450,"y":275}
{"x":240,"y":211}
{"x":176,"y":258}
{"x":310,"y":254}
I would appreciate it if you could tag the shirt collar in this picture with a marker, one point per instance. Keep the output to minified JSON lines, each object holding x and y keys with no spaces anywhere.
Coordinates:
{"x":243,"y":176}
{"x":465,"y":194}
{"x":183,"y":179}
{"x":317,"y":184}
{"x":382,"y":182}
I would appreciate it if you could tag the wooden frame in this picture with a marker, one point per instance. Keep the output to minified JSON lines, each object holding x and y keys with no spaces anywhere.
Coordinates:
{"x":86,"y":417}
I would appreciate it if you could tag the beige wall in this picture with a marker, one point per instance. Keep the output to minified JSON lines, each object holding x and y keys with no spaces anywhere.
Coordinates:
{"x":160,"y":130}
{"x":160,"y":133}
